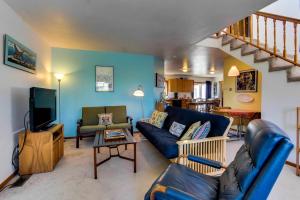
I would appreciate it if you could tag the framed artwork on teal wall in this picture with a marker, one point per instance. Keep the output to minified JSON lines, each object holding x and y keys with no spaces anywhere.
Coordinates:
{"x":18,"y":56}
{"x":159,"y":81}
{"x":104,"y":78}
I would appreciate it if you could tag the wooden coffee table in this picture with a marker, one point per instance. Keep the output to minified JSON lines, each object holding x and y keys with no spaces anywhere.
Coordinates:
{"x":100,"y":142}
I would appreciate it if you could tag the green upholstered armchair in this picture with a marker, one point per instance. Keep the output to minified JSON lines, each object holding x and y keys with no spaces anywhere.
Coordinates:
{"x":88,"y":125}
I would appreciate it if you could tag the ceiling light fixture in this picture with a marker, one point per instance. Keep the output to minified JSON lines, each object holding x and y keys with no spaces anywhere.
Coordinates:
{"x":233,"y":71}
{"x":185,"y":70}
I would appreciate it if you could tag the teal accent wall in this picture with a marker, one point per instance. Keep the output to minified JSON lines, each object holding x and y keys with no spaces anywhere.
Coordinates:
{"x":78,"y":85}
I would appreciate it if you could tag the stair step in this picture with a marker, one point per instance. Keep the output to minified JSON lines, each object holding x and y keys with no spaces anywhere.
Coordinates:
{"x":248,"y":49}
{"x":293,"y":74}
{"x":217,"y":35}
{"x":236,"y":44}
{"x":261,"y":56}
{"x":226,"y":39}
{"x":277,"y":64}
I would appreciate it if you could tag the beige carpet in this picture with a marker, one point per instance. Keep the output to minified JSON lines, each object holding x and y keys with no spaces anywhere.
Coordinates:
{"x":73,"y":179}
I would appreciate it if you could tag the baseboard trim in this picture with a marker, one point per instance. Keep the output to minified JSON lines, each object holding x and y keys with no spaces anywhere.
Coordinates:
{"x":6,"y":181}
{"x":71,"y":137}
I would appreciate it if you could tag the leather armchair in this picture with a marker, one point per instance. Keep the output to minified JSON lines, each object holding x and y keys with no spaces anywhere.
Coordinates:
{"x":251,"y":175}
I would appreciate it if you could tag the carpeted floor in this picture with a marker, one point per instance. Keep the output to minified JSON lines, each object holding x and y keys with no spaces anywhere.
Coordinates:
{"x":73,"y":179}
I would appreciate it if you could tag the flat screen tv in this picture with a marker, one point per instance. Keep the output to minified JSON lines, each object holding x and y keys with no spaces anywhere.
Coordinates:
{"x":42,"y":110}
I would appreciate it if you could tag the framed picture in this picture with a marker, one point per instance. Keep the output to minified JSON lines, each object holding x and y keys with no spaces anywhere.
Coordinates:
{"x":247,"y":81}
{"x":159,"y":81}
{"x":104,"y":79}
{"x":18,"y":56}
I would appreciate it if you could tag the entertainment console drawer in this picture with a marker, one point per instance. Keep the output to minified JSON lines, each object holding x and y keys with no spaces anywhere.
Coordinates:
{"x":42,"y":150}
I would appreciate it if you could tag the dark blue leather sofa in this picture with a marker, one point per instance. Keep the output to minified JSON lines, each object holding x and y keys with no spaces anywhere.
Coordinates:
{"x":165,"y":142}
{"x":251,"y":175}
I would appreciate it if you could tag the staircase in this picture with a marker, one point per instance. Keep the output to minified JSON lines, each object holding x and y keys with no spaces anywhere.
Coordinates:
{"x":240,"y":36}
{"x":277,"y":61}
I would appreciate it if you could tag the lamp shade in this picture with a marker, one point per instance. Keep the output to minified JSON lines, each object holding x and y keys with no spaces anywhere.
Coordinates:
{"x":59,"y":76}
{"x":233,"y":71}
{"x":139,"y":92}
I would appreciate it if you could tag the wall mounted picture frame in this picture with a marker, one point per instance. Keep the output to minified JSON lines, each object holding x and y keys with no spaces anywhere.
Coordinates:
{"x":18,"y":56}
{"x":104,"y":78}
{"x":247,"y":81}
{"x":159,"y":80}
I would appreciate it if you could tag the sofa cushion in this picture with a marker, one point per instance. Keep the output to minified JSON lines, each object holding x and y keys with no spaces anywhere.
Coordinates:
{"x":91,"y":128}
{"x":187,"y":117}
{"x":105,"y":119}
{"x":158,"y":118}
{"x":118,"y":126}
{"x":184,"y":179}
{"x":189,"y":133}
{"x":176,"y":129}
{"x":261,"y":157}
{"x":160,"y":138}
{"x":202,"y":131}
{"x":119,"y":113}
{"x":90,"y":115}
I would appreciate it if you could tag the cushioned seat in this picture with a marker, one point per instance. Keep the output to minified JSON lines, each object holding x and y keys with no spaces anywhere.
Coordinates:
{"x":185,"y":179}
{"x":251,"y":175}
{"x":160,"y":138}
{"x":91,"y":128}
{"x":166,"y":143}
{"x":88,"y":125}
{"x":119,"y":125}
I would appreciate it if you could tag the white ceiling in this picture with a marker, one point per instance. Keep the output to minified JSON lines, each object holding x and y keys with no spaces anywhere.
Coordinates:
{"x":158,"y":27}
{"x":199,"y":60}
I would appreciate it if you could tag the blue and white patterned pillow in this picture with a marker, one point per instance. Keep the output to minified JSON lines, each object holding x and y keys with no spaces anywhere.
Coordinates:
{"x":202,"y":131}
{"x":176,"y":129}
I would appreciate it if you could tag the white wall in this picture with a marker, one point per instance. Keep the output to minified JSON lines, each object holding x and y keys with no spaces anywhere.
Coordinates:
{"x":279,"y":98}
{"x":15,"y":84}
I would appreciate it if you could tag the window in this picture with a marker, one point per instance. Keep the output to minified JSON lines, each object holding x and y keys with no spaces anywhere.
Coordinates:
{"x":199,"y":91}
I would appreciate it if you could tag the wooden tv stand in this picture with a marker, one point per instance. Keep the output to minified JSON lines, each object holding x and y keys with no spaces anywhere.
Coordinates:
{"x":42,"y":150}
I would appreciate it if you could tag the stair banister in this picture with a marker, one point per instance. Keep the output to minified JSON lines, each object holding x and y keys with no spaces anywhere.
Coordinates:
{"x":244,"y":32}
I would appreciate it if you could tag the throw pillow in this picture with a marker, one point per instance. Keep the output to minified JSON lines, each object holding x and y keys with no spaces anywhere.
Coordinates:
{"x":176,"y":129}
{"x":105,"y":119}
{"x":202,"y":131}
{"x":158,"y":118}
{"x":189,"y":133}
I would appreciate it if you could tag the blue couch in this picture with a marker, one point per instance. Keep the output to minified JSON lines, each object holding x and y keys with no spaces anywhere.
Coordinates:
{"x":251,"y":175}
{"x":166,"y":143}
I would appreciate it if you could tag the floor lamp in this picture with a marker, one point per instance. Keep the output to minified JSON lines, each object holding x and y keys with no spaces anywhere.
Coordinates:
{"x":140,"y":93}
{"x":59,"y":77}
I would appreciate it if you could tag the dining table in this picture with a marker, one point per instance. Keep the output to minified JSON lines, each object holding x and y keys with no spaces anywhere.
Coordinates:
{"x":242,"y":115}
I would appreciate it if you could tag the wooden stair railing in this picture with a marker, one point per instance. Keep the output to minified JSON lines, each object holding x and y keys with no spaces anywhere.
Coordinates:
{"x":243,"y":31}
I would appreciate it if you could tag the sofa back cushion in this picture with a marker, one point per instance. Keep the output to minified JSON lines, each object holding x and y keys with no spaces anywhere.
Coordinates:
{"x":90,"y":115}
{"x":119,"y":113}
{"x":219,"y":123}
{"x":257,"y":164}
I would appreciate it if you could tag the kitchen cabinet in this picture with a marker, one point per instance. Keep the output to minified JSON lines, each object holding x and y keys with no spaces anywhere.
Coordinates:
{"x":180,"y":85}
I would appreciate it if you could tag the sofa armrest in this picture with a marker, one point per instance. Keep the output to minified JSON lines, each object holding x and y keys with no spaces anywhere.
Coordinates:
{"x":79,"y":122}
{"x":204,"y":161}
{"x":171,"y":193}
{"x":210,"y":139}
{"x":213,"y":148}
{"x":147,"y":120}
{"x":129,"y":119}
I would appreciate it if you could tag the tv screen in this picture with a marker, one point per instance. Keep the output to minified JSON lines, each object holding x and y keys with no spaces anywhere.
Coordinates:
{"x":42,"y":108}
